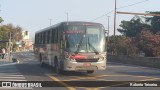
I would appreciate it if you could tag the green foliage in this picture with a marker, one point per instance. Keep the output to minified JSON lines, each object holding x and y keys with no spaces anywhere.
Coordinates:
{"x":140,"y":37}
{"x":122,"y":45}
{"x":155,"y":22}
{"x":15,"y":30}
{"x":1,"y":20}
{"x":133,"y":27}
{"x":149,"y":43}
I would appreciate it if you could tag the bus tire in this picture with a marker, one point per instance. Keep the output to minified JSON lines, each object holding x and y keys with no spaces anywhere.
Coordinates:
{"x":41,"y":61}
{"x":58,"y":71}
{"x":42,"y":64}
{"x":90,"y":71}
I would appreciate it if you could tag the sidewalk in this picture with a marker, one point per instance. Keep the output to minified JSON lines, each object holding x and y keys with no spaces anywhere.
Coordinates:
{"x":5,"y":61}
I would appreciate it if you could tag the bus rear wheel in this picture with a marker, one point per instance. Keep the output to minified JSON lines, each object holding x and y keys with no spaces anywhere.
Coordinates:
{"x":41,"y":61}
{"x":58,"y":71}
{"x":90,"y":71}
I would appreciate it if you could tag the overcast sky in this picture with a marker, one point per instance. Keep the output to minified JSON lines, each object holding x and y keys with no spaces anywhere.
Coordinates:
{"x":33,"y":15}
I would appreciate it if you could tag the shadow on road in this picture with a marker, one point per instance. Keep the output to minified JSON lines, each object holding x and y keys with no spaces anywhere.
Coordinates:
{"x":38,"y":70}
{"x":140,"y":73}
{"x":32,"y":69}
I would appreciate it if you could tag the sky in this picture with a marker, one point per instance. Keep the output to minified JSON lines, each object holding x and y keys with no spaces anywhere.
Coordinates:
{"x":33,"y":15}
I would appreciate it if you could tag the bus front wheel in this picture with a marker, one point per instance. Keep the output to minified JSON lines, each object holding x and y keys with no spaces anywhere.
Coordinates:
{"x":58,"y":71}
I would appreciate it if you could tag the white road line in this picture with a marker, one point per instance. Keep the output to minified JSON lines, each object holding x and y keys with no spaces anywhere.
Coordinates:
{"x":7,"y":67}
{"x":14,"y":88}
{"x":12,"y":80}
{"x":7,"y":64}
{"x":12,"y":77}
{"x":17,"y":73}
{"x":12,"y":74}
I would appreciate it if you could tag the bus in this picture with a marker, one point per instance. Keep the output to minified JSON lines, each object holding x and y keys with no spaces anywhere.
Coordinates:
{"x":72,"y":46}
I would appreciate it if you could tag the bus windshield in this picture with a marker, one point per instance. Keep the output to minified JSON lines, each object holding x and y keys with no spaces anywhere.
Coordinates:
{"x":85,"y":38}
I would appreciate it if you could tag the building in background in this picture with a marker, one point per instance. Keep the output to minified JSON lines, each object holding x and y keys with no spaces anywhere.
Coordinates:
{"x":26,"y":44}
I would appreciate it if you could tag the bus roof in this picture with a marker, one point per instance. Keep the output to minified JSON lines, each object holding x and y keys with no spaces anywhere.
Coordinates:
{"x":69,"y":23}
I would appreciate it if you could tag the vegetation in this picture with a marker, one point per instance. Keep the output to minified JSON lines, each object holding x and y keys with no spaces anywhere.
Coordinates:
{"x":149,"y":43}
{"x":133,"y":27}
{"x":137,"y":37}
{"x":16,"y":34}
{"x":122,"y":45}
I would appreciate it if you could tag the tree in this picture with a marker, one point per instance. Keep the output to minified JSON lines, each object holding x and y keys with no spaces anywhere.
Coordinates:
{"x":1,"y":20}
{"x":15,"y":30}
{"x":16,"y":34}
{"x":133,"y":27}
{"x":154,"y":22}
{"x":149,"y":43}
{"x":122,"y":45}
{"x":3,"y":35}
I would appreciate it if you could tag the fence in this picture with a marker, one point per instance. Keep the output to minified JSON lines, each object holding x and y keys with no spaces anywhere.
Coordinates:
{"x":141,"y":61}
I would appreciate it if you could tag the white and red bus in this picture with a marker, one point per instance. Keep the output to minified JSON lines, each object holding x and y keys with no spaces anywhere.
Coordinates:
{"x":72,"y":46}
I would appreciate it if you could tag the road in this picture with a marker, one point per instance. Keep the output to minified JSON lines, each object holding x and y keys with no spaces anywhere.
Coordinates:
{"x":28,"y":69}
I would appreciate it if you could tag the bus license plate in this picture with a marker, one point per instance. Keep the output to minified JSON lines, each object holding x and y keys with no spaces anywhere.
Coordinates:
{"x":86,"y":64}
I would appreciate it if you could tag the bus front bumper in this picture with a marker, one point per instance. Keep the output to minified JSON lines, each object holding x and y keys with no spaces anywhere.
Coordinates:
{"x":83,"y":66}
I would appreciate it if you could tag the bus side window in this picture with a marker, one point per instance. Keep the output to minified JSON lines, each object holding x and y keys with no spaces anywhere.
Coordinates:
{"x":48,"y":37}
{"x":44,"y":37}
{"x":53,"y":35}
{"x":56,"y":35}
{"x":40,"y":40}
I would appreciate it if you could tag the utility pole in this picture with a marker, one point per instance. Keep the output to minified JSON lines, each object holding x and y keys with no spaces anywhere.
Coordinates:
{"x":9,"y":47}
{"x":50,"y":20}
{"x":115,"y":10}
{"x":67,"y":16}
{"x":108,"y":30}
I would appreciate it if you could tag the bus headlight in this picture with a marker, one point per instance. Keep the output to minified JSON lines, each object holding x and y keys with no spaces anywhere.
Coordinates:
{"x":101,"y":59}
{"x":69,"y":56}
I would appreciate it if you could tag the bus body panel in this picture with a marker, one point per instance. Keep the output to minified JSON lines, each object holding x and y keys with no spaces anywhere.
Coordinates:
{"x":53,"y":51}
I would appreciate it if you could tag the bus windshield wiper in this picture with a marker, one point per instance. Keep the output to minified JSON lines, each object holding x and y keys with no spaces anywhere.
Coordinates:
{"x":71,"y":41}
{"x":93,"y":48}
{"x":78,"y":46}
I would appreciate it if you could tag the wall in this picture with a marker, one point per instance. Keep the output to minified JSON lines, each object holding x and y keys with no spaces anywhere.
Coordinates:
{"x":141,"y":61}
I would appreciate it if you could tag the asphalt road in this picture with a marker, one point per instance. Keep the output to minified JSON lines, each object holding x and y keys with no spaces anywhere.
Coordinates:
{"x":28,"y":69}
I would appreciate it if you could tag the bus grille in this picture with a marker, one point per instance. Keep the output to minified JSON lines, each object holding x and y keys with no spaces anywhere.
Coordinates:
{"x":87,"y":60}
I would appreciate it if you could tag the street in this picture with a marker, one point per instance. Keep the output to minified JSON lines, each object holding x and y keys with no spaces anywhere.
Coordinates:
{"x":29,"y":69}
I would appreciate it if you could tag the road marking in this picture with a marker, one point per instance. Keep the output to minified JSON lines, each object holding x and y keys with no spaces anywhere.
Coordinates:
{"x":12,"y":80}
{"x":8,"y":64}
{"x":128,"y":82}
{"x":62,"y":83}
{"x":13,"y":77}
{"x":1,"y":74}
{"x":15,"y":88}
{"x":10,"y":73}
{"x":96,"y":77}
{"x":150,"y":79}
{"x":77,"y":78}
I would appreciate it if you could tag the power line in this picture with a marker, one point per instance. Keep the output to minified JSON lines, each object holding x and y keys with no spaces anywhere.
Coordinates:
{"x":120,"y":8}
{"x":102,"y":15}
{"x":133,"y":4}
